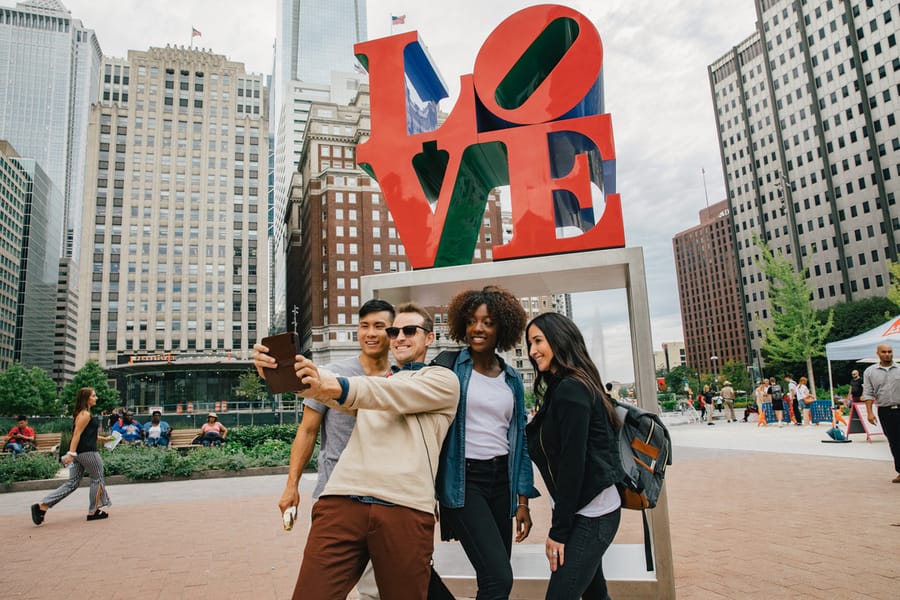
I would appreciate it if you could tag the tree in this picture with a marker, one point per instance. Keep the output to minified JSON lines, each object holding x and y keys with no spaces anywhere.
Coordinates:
{"x":27,"y":392}
{"x":250,"y":386}
{"x":858,"y":316}
{"x":795,"y":334}
{"x":93,"y":376}
{"x":894,"y":289}
{"x":677,"y":376}
{"x":736,"y":372}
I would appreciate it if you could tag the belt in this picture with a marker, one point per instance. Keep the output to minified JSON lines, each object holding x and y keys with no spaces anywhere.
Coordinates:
{"x":889,"y":407}
{"x":497,"y":460}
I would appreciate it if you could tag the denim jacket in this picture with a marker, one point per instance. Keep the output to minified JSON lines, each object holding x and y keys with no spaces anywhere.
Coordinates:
{"x":451,"y":475}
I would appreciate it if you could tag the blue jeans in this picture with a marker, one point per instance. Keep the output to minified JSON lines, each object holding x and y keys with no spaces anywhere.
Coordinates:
{"x":15,"y":447}
{"x":160,"y":441}
{"x":581,"y":576}
{"x":484,"y":527}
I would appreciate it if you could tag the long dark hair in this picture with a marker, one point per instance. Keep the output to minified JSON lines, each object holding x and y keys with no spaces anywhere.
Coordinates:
{"x":82,"y":399}
{"x":570,"y":359}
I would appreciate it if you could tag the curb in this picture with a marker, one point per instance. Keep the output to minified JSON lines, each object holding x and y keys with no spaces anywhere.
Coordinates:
{"x":50,"y":484}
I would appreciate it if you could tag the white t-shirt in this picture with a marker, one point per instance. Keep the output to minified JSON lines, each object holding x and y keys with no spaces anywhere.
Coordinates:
{"x":603,"y":503}
{"x":155,"y":431}
{"x":489,"y":409}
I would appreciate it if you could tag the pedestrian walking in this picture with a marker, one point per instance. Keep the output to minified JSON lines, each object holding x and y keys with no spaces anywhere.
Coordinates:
{"x":881,"y":388}
{"x":83,"y":457}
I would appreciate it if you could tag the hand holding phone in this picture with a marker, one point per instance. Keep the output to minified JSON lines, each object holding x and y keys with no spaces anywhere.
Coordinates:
{"x":282,"y":378}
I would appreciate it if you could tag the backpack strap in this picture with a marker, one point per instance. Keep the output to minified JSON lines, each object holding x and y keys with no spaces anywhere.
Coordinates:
{"x":648,"y":549}
{"x":446,"y":358}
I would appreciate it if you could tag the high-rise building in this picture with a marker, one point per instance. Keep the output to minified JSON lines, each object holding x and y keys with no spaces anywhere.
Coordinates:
{"x":39,"y":268}
{"x":13,"y":195}
{"x":316,"y":37}
{"x":672,"y":355}
{"x":711,"y":315}
{"x":806,"y":110}
{"x":314,"y":61}
{"x":174,"y":269}
{"x":49,"y":66}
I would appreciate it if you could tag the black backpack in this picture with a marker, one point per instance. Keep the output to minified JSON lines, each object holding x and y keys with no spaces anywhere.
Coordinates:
{"x":645,"y":450}
{"x":777,"y":393}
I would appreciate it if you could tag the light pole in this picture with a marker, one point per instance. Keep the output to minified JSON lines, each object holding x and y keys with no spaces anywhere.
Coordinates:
{"x":714,"y":360}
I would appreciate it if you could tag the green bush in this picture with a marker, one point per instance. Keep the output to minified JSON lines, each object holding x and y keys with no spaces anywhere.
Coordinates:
{"x":33,"y":465}
{"x":250,"y":446}
{"x":251,"y":436}
{"x":668,"y":405}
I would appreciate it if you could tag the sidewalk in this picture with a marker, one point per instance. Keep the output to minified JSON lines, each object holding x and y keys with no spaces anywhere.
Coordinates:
{"x":769,"y":513}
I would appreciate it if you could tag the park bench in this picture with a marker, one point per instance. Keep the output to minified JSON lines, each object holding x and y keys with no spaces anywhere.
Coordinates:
{"x":183,"y":438}
{"x":47,"y":443}
{"x":623,"y":566}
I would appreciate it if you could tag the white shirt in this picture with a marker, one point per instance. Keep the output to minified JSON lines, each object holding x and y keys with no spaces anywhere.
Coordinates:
{"x":489,"y":410}
{"x":155,"y":431}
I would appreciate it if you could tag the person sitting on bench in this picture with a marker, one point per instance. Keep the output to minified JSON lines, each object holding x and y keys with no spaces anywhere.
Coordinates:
{"x":213,"y":433}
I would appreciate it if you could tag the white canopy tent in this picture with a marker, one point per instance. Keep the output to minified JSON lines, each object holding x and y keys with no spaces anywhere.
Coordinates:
{"x":863,"y":346}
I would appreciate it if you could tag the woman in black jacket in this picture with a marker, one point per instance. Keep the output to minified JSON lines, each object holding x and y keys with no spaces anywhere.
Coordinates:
{"x":572,"y":441}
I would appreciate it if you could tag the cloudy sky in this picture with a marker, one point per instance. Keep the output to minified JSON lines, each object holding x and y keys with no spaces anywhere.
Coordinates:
{"x":655,"y":59}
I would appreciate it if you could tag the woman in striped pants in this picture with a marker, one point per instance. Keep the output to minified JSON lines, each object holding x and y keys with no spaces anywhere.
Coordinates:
{"x":83,"y":452}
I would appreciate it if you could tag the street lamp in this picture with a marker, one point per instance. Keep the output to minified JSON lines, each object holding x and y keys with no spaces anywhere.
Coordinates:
{"x":715,"y":372}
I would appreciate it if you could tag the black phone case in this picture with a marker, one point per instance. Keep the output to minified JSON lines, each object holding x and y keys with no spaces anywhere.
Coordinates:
{"x":283,"y":348}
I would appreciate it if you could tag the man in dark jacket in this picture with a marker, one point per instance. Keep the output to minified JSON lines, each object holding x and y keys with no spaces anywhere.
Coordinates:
{"x":856,"y":387}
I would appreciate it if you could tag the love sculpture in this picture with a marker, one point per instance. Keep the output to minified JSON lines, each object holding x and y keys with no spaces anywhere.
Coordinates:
{"x":529,"y":116}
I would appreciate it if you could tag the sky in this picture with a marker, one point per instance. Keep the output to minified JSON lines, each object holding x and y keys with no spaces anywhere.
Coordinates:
{"x":656,"y":89}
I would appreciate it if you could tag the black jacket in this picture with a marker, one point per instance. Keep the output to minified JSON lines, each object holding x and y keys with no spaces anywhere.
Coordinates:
{"x":574,"y":446}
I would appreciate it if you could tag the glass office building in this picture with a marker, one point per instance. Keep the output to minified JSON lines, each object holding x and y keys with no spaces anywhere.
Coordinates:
{"x":49,"y":66}
{"x":313,"y":61}
{"x":39,"y":268}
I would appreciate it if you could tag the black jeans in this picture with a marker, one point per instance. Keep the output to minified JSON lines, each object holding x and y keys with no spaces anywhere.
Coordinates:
{"x":483,"y":526}
{"x":581,"y":575}
{"x":890,"y":425}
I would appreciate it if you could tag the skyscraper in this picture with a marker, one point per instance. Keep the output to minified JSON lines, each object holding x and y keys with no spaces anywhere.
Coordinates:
{"x":49,"y":66}
{"x":314,"y":61}
{"x":714,"y":329}
{"x":173,"y":274}
{"x":806,"y":109}
{"x":13,"y":190}
{"x":316,"y":37}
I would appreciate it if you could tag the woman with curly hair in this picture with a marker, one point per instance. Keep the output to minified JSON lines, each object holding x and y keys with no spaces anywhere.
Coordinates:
{"x":573,"y":442}
{"x":485,"y":475}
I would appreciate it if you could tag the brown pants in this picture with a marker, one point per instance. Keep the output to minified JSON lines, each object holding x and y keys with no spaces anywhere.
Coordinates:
{"x":345,"y":534}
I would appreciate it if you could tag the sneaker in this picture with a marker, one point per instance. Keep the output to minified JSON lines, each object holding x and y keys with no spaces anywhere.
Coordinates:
{"x":97,"y":515}
{"x":896,"y":479}
{"x":37,"y":515}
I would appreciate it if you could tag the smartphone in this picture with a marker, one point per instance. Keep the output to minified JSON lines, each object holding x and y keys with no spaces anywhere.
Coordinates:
{"x":282,"y":378}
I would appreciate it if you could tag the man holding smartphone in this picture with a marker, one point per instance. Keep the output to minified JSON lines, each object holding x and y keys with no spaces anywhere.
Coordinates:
{"x":379,"y":503}
{"x":375,"y":316}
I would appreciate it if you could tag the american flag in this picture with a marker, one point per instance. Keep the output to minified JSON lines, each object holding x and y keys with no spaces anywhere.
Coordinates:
{"x":195,"y":32}
{"x":398,"y":20}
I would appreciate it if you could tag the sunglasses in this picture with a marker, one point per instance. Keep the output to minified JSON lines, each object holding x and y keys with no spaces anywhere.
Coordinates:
{"x":408,"y":330}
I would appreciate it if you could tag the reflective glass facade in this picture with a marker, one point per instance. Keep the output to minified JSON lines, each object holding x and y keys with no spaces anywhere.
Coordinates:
{"x":49,"y":66}
{"x":39,"y":268}
{"x":315,"y":40}
{"x":13,"y":183}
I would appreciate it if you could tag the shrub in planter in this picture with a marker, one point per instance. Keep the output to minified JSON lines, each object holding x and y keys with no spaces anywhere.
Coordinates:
{"x":29,"y":466}
{"x":250,"y":436}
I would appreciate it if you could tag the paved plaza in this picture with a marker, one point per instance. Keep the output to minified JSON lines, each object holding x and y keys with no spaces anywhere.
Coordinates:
{"x":755,"y":513}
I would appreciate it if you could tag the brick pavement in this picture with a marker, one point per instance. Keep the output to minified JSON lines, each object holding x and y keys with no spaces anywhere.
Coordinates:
{"x":744,"y":525}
